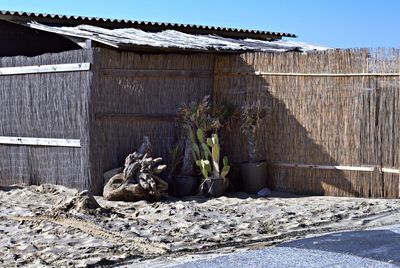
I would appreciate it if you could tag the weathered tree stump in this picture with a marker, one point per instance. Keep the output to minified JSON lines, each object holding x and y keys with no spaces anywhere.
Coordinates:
{"x":139,"y":180}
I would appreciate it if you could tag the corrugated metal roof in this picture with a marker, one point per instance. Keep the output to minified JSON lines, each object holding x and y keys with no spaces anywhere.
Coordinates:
{"x":64,"y":20}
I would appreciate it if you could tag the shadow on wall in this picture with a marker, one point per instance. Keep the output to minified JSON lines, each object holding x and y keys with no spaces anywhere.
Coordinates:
{"x":282,"y":138}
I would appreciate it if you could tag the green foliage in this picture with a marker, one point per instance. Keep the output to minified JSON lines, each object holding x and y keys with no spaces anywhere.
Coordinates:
{"x":200,"y":135}
{"x":199,"y":120}
{"x":207,"y":157}
{"x":199,"y":115}
{"x":176,"y":158}
{"x":251,"y":117}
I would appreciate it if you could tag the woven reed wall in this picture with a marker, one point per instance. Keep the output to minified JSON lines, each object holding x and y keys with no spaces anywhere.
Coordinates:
{"x":312,"y":120}
{"x":320,"y":120}
{"x":50,"y":105}
{"x":139,"y":94}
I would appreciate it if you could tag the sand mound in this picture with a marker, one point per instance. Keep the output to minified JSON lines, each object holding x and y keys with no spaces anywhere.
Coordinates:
{"x":83,"y":202}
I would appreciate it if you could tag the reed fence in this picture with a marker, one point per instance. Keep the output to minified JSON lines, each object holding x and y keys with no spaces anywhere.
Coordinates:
{"x":331,"y":127}
{"x":44,"y":108}
{"x":136,"y":95}
{"x":332,"y":116}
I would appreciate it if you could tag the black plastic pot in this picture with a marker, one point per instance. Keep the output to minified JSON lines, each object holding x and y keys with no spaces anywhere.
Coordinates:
{"x":185,"y":185}
{"x":254,"y":176}
{"x":214,"y":187}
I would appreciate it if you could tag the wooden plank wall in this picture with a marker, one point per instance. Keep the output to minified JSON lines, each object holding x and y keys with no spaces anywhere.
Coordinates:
{"x":320,"y":120}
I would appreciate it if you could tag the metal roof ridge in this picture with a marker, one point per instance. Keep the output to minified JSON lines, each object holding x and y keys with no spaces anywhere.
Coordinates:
{"x":128,"y":21}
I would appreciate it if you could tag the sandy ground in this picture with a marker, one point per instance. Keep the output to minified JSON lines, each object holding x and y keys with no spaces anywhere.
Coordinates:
{"x":34,"y":232}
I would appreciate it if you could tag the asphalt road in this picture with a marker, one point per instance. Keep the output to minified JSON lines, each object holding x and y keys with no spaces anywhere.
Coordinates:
{"x":372,"y":248}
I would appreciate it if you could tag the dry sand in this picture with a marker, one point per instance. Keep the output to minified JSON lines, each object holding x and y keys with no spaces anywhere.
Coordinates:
{"x":34,"y":232}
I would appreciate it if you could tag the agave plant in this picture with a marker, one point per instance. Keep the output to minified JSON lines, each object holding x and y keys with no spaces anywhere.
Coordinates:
{"x":251,"y":117}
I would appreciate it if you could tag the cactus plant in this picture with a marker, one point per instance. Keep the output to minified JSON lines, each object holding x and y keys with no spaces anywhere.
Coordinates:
{"x":206,"y":153}
{"x":206,"y":117}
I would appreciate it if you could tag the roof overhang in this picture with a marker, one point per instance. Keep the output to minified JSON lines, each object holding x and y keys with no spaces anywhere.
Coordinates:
{"x":168,"y":40}
{"x":63,"y":20}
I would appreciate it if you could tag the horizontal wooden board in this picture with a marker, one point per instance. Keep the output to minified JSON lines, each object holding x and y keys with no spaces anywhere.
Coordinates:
{"x":332,"y":167}
{"x":391,"y":170}
{"x":152,"y":117}
{"x":258,"y":73}
{"x":154,"y":72}
{"x":337,"y":167}
{"x":40,"y":141}
{"x":53,"y":68}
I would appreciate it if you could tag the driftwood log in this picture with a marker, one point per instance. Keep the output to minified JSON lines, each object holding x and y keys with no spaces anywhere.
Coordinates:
{"x":139,"y":180}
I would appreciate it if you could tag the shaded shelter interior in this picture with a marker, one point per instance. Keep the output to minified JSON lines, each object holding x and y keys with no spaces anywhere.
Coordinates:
{"x":19,"y":40}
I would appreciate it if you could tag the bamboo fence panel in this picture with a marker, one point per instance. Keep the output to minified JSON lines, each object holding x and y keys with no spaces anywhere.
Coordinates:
{"x":45,"y":105}
{"x":133,"y":94}
{"x":341,"y":120}
{"x":319,"y":120}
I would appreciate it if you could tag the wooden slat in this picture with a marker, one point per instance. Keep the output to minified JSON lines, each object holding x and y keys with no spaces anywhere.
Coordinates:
{"x":332,"y":167}
{"x":156,"y":117}
{"x":54,"y":68}
{"x":40,"y":141}
{"x":155,"y":72}
{"x":391,"y":170}
{"x":257,"y":73}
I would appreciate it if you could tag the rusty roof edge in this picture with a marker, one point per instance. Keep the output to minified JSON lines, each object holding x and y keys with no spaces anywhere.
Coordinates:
{"x":146,"y":25}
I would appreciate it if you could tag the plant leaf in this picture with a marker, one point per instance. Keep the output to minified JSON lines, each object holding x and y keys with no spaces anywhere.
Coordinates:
{"x":196,"y":150}
{"x":214,"y":138}
{"x":206,"y":150}
{"x":209,"y":142}
{"x":215,"y":152}
{"x":225,"y":171}
{"x":192,"y":137}
{"x":225,"y":160}
{"x":200,"y":135}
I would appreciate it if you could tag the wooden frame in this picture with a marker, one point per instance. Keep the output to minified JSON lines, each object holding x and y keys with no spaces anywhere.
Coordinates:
{"x":332,"y":167}
{"x":40,"y":141}
{"x":258,"y":73}
{"x":338,"y":167}
{"x":54,"y":68}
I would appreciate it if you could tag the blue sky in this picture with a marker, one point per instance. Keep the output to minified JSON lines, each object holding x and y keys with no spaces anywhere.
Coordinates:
{"x":335,"y":23}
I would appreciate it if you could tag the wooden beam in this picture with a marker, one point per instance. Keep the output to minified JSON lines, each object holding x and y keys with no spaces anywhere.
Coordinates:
{"x":40,"y":141}
{"x":137,"y":116}
{"x":329,"y":167}
{"x":258,"y":73}
{"x":154,"y":72}
{"x":54,"y":68}
{"x":390,"y":170}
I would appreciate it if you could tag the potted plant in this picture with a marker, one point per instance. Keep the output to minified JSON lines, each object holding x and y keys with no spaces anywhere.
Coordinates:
{"x":194,"y":115}
{"x":206,"y":152}
{"x":254,"y":173}
{"x":181,"y":185}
